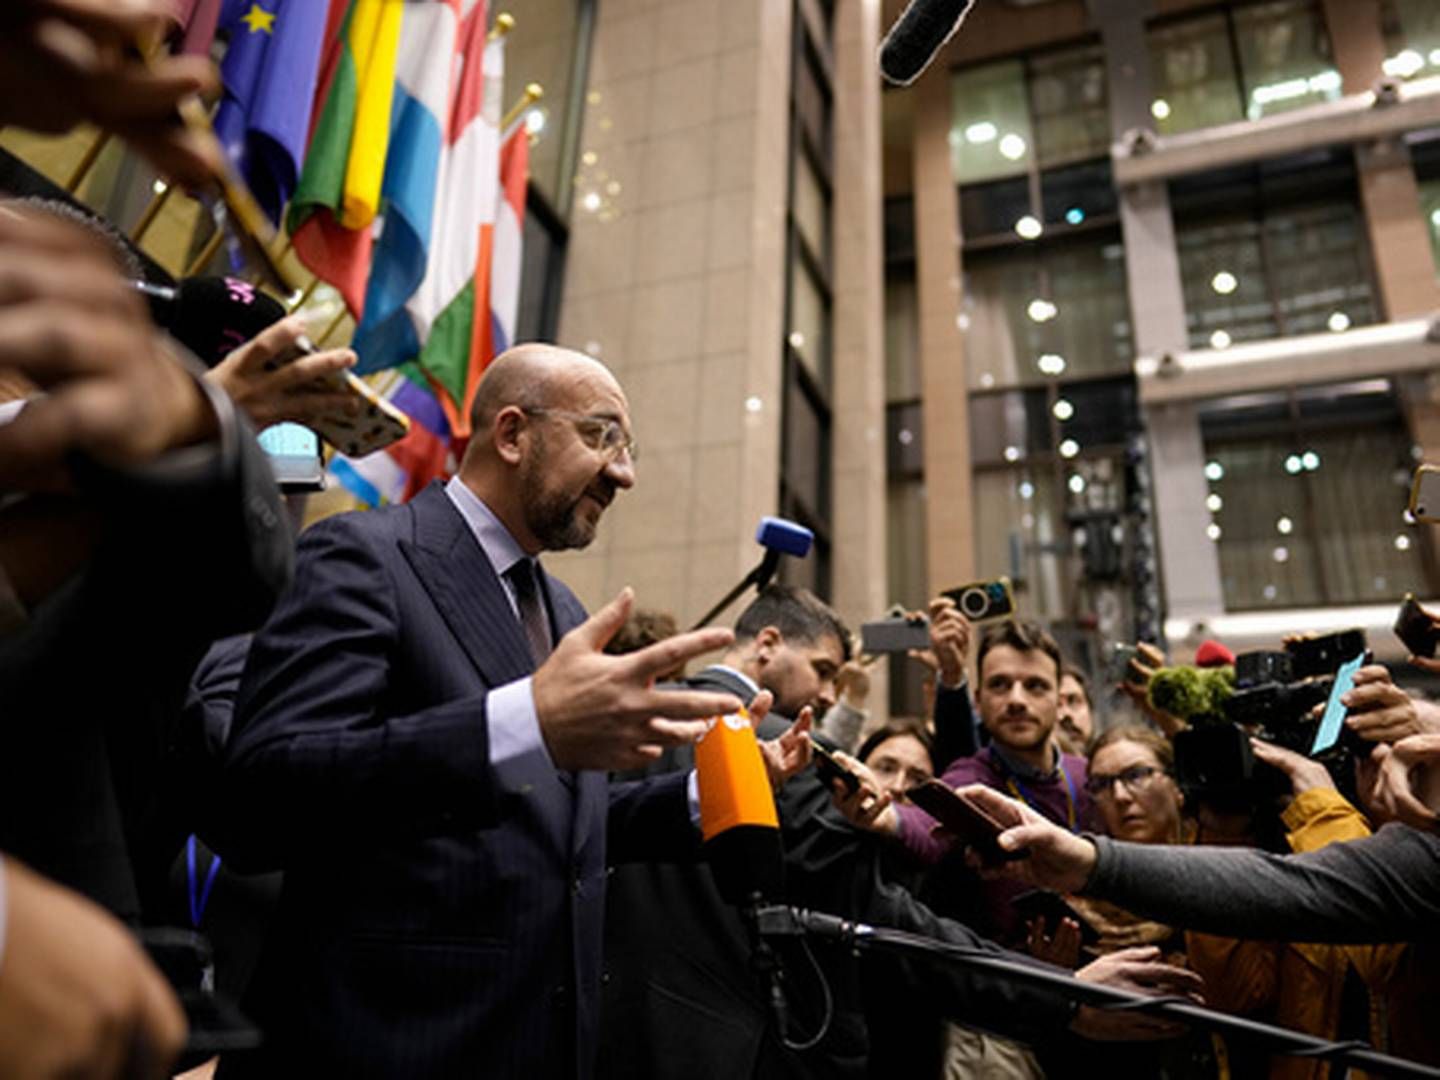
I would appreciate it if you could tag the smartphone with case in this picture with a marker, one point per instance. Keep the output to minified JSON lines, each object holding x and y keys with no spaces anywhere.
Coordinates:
{"x":981,"y":600}
{"x":376,"y":423}
{"x":1425,"y":494}
{"x":1417,"y":628}
{"x":966,"y":819}
{"x":895,"y":635}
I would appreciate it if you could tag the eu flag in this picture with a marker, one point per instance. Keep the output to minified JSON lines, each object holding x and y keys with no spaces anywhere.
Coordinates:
{"x":270,"y":71}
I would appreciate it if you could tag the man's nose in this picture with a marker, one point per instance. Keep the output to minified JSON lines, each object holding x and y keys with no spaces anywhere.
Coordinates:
{"x":826,"y":698}
{"x":621,"y":470}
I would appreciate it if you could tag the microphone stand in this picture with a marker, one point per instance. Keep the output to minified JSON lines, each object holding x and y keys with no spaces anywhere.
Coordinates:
{"x":759,"y":577}
{"x":776,"y":920}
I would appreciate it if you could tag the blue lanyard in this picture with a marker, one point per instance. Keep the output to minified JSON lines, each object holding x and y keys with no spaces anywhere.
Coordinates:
{"x":197,"y":903}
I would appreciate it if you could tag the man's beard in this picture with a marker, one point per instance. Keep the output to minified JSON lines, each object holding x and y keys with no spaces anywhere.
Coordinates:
{"x":552,"y":518}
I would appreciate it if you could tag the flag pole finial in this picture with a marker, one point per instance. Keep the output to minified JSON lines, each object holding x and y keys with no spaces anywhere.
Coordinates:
{"x":504,"y":23}
{"x":533,"y":93}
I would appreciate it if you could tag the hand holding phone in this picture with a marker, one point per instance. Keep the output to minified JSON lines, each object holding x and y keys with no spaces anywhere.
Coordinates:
{"x":830,"y":767}
{"x":966,"y":819}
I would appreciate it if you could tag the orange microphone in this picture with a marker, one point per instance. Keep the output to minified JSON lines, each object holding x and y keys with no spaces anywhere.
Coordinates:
{"x":738,"y":823}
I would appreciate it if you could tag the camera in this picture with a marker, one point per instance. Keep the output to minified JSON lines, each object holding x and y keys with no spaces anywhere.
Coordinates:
{"x":1275,"y":696}
{"x":982,"y":600}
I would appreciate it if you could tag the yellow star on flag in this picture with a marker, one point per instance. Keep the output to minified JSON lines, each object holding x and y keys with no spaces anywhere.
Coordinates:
{"x":258,"y":19}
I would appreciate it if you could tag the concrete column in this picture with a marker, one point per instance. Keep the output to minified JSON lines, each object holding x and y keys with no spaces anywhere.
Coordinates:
{"x":945,"y":406}
{"x":1399,"y":236}
{"x":676,"y":279}
{"x":858,"y":279}
{"x":1189,"y":563}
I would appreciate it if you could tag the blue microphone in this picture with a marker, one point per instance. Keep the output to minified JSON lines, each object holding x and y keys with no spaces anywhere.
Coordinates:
{"x":778,"y":536}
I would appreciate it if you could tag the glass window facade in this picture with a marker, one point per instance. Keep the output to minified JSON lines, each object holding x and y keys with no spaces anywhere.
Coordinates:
{"x":1412,"y":38}
{"x":1037,"y":312}
{"x":1273,"y":250}
{"x":1307,"y":496}
{"x":1245,"y":62}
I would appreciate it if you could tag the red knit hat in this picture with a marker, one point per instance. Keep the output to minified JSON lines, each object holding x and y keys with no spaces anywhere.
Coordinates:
{"x":1212,"y":654}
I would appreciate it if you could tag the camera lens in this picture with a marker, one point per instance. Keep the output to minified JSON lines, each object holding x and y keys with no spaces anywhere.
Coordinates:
{"x":974,"y":603}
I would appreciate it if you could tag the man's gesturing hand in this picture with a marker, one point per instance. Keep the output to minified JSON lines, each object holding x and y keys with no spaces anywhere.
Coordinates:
{"x":603,"y":712}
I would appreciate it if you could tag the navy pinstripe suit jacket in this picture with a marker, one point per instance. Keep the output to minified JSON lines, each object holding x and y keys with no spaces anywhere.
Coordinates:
{"x":431,"y":924}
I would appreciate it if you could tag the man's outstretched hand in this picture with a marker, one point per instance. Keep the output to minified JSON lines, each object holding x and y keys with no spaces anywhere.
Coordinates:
{"x":598,"y":711}
{"x":1058,"y":859}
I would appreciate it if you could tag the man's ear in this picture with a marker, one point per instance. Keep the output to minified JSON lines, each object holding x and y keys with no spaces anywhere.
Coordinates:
{"x":507,"y":434}
{"x":767,"y":641}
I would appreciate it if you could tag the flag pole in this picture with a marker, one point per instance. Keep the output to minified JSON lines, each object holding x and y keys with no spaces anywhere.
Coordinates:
{"x":87,"y":162}
{"x":533,"y":93}
{"x":504,"y":23}
{"x":334,"y":325}
{"x":304,"y":297}
{"x":152,"y":211}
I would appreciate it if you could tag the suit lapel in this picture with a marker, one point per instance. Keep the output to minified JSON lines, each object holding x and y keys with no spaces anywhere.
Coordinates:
{"x":465,"y":589}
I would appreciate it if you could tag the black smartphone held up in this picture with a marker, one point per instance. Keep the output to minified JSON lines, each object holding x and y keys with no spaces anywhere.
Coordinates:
{"x":832,"y":768}
{"x":966,"y":819}
{"x":895,"y":635}
{"x":1417,"y":628}
{"x":1051,"y":909}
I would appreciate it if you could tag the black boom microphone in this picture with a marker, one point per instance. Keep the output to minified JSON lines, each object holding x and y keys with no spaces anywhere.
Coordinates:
{"x":917,"y":35}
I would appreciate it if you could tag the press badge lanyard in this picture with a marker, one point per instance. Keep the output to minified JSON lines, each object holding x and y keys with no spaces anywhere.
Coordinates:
{"x":1017,"y":789}
{"x":198,"y":902}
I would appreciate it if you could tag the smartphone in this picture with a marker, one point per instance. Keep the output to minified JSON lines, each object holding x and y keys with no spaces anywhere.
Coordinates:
{"x":1051,"y":908}
{"x":1323,"y":654}
{"x":295,"y":457}
{"x":1425,"y":494}
{"x":1331,"y":724}
{"x":966,"y":819}
{"x":1417,"y":628}
{"x":895,"y":635}
{"x":981,"y":600}
{"x":832,"y":768}
{"x":376,"y":425}
{"x":1122,"y":665}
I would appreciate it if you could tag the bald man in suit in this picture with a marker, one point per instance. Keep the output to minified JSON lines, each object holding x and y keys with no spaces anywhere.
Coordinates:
{"x":418,"y":742}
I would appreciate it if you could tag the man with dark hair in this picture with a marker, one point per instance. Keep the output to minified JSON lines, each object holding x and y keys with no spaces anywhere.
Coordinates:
{"x":1075,"y":722}
{"x":1019,"y":698}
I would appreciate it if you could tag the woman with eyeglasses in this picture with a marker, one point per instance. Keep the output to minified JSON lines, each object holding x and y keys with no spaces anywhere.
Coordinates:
{"x":1131,"y":779}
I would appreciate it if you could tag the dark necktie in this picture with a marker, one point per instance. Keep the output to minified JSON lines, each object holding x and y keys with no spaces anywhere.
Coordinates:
{"x":532,"y":612}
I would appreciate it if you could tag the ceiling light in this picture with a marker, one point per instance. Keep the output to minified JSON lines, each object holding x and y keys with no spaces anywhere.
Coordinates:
{"x":1338,"y":322}
{"x":1063,"y":410}
{"x":1281,"y":554}
{"x":1051,"y":364}
{"x":1212,"y":531}
{"x":982,"y":132}
{"x":1285,"y":526}
{"x":1213,"y":503}
{"x":1310,"y":460}
{"x":1293,"y":464}
{"x":1041,"y":310}
{"x":1214,"y":470}
{"x":1077,"y":483}
{"x":1029,"y":227}
{"x":1402,"y":542}
{"x":1219,"y":340}
{"x":1224,"y":283}
{"x":1027,"y":489}
{"x":1074,"y":216}
{"x":1012,"y":453}
{"x":1160,"y":109}
{"x":1069,"y":448}
{"x":1013,"y":147}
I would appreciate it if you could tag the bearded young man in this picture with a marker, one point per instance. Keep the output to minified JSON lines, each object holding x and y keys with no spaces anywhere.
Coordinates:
{"x":418,"y":742}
